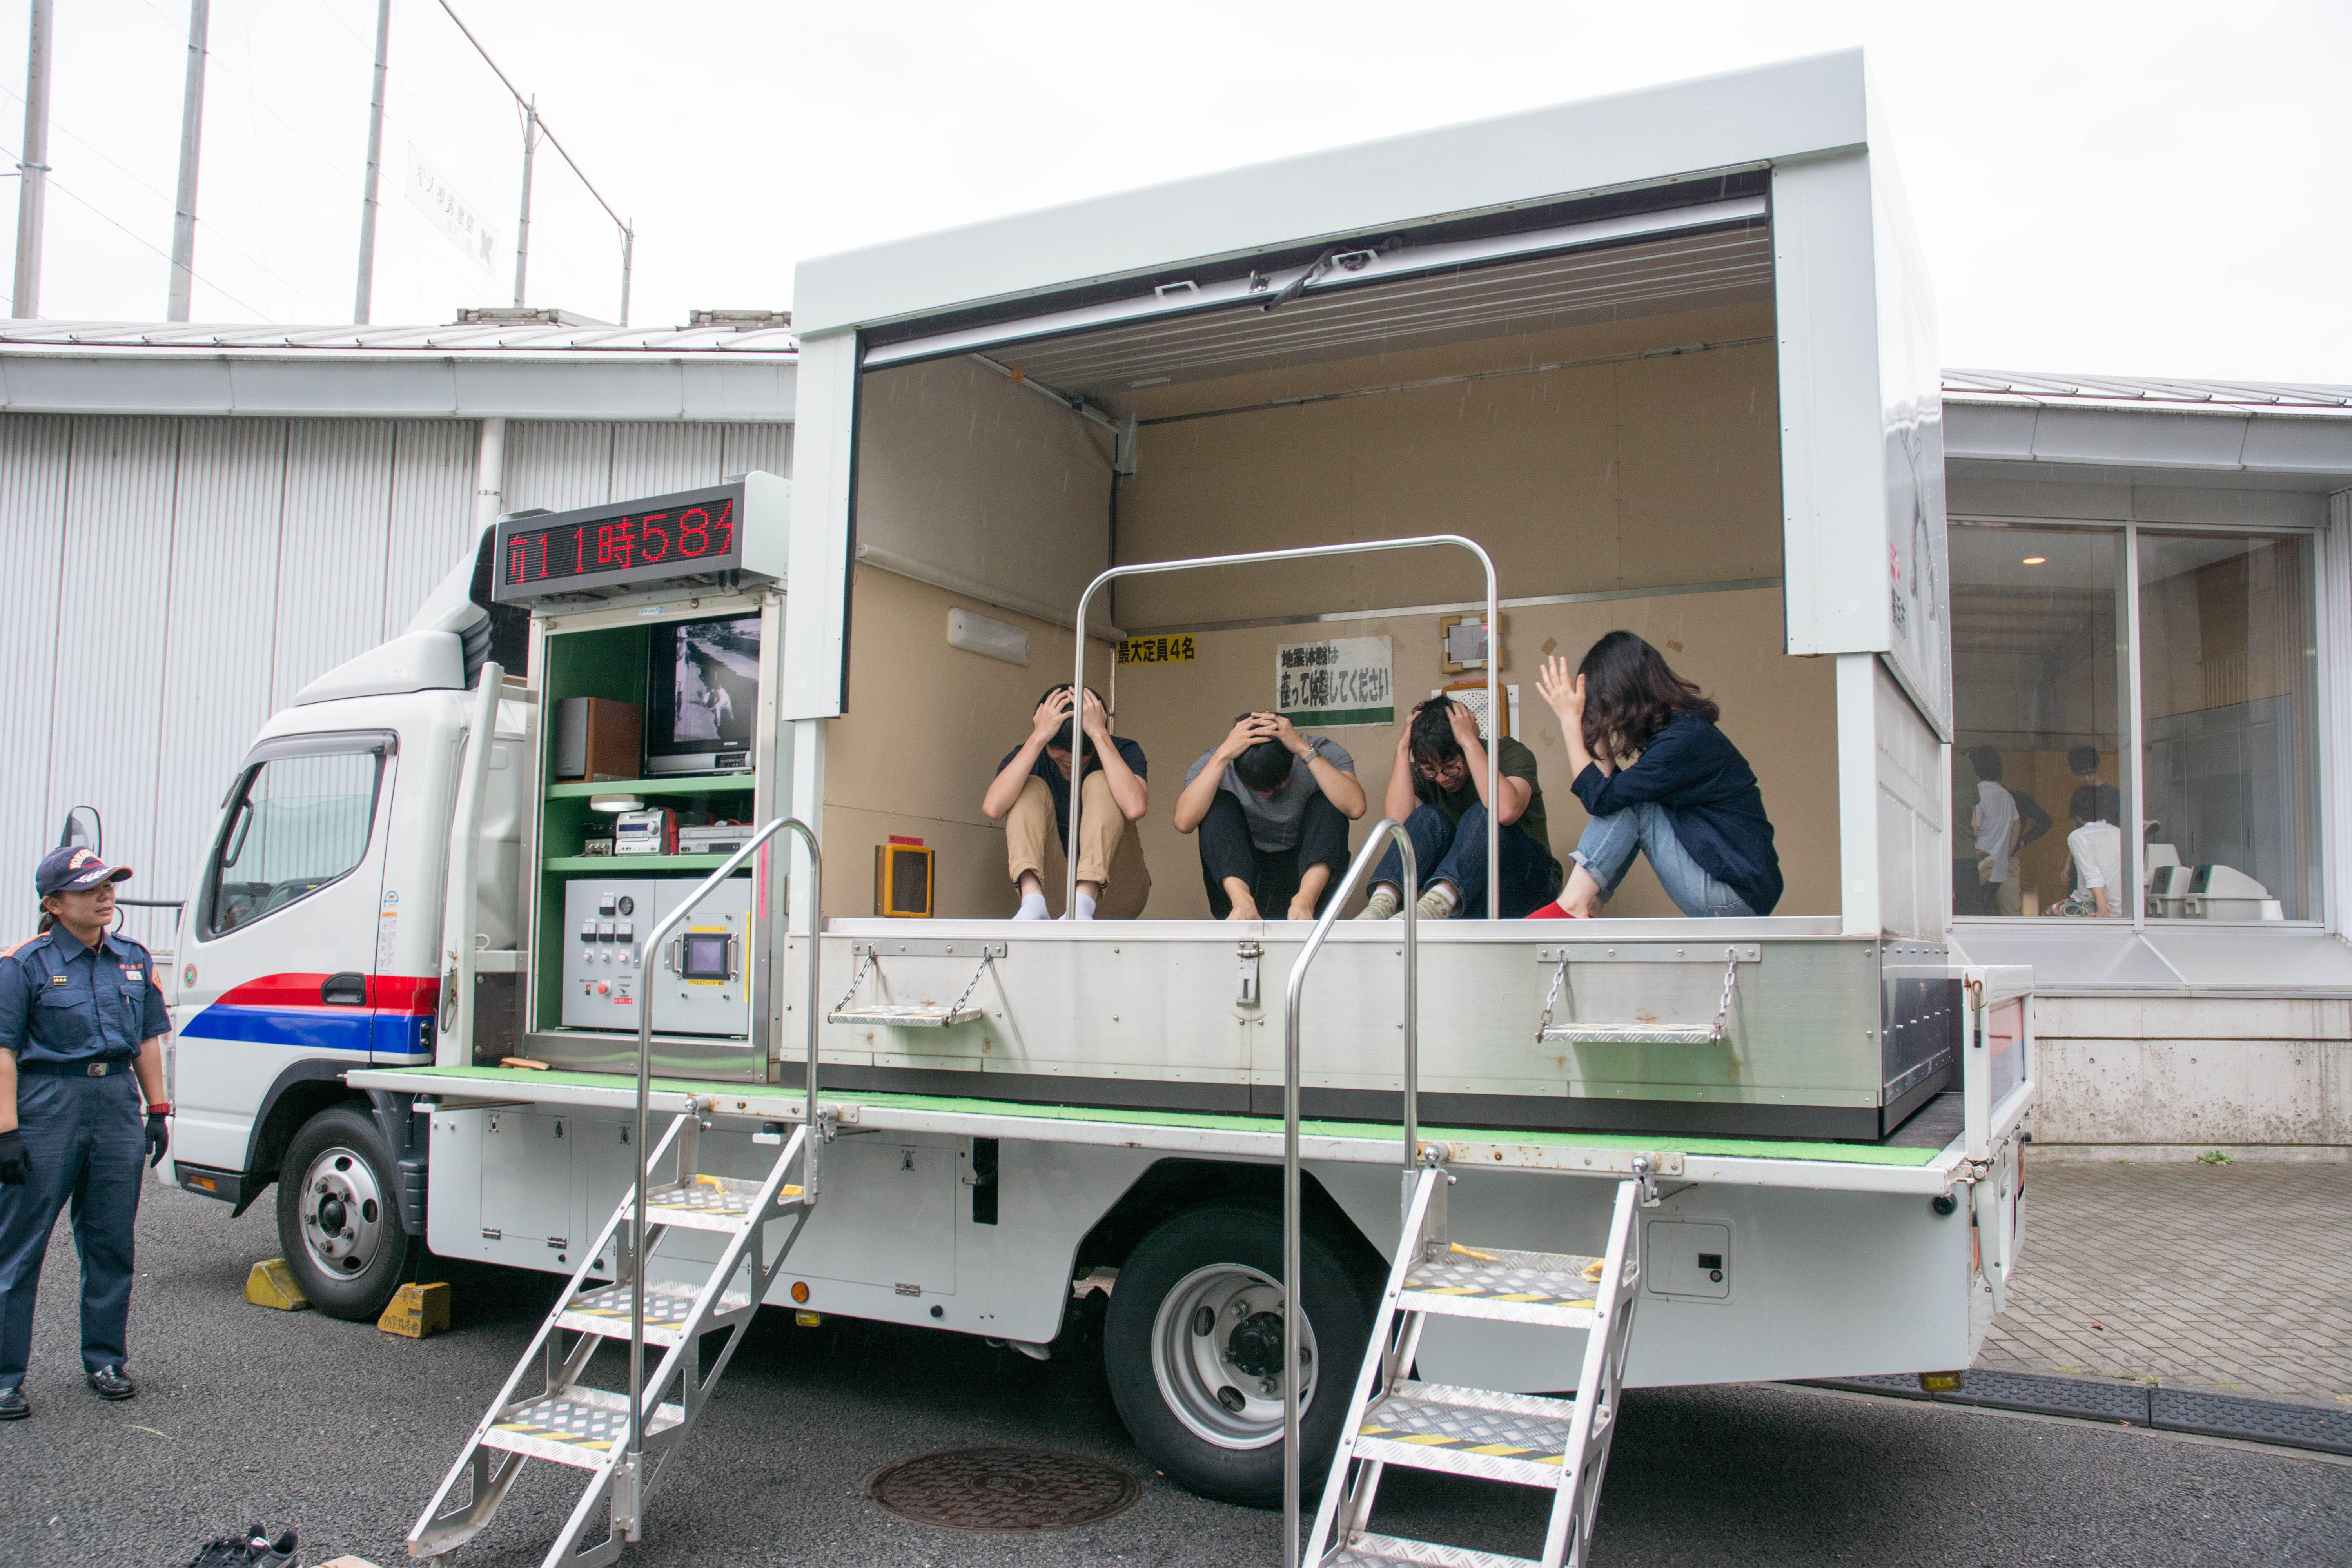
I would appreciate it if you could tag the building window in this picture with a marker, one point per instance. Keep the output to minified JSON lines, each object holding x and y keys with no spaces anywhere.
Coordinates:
{"x":2060,"y":727}
{"x":2228,"y":672}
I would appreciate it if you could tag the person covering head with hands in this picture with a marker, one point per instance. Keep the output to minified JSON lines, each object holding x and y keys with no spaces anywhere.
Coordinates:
{"x":1272,"y":807}
{"x":1660,"y":780}
{"x":80,"y":1018}
{"x":1437,"y":788}
{"x":1031,"y":795}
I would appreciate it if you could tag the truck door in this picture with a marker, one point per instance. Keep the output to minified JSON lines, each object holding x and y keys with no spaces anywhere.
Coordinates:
{"x":277,"y":953}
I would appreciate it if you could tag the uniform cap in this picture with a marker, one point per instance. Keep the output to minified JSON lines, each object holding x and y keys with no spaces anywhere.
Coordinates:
{"x":72,"y":868}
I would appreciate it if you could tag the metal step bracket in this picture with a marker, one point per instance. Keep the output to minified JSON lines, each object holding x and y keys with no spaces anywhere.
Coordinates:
{"x":914,"y":1015}
{"x":1597,"y":1034}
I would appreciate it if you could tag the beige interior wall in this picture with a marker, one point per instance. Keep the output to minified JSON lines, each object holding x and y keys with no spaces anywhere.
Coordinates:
{"x":1779,"y":711}
{"x":926,"y":727}
{"x":1637,"y":473}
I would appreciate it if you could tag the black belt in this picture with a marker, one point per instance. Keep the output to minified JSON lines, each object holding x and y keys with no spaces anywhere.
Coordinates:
{"x":105,"y":1069}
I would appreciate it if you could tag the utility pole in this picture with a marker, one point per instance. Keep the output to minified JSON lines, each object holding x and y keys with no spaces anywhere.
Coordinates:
{"x":361,"y":300}
{"x":522,"y":224}
{"x":628,"y":250}
{"x":33,"y":173}
{"x":192,"y":129}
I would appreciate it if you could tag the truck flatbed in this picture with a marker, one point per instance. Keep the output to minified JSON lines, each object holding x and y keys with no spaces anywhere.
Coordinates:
{"x":1923,"y":1157}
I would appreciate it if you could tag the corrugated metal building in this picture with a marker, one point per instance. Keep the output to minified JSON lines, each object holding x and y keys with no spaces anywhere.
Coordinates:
{"x":202,"y":520}
{"x":199,"y":521}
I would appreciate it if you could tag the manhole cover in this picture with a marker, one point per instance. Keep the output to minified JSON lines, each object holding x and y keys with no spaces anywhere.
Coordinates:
{"x":1003,"y":1490}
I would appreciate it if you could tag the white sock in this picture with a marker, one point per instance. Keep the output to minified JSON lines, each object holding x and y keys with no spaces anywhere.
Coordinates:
{"x":1086,"y":905}
{"x":1032,"y":906}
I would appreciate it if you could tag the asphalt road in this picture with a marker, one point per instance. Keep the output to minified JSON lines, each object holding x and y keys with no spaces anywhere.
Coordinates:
{"x":340,"y":1431}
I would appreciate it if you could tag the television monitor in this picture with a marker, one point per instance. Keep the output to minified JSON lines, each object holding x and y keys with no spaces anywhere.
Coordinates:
{"x":702,"y":695}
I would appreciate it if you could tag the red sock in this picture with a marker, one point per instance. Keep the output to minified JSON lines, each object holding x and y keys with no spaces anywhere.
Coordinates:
{"x":1552,"y":911}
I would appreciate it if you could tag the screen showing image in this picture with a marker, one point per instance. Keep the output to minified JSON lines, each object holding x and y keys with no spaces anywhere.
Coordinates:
{"x":714,"y":677}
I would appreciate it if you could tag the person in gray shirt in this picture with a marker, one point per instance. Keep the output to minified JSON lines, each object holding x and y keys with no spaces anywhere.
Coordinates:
{"x":1272,"y":807}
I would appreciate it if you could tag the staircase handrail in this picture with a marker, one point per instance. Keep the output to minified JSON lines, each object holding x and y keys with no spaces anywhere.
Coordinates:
{"x":1386,"y":830}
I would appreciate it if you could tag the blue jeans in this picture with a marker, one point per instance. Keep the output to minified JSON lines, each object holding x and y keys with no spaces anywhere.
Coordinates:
{"x":86,"y":1140}
{"x":1607,"y":851}
{"x":1445,"y":850}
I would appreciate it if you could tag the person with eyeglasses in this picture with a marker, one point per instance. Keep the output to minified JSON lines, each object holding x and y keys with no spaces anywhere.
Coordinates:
{"x":1437,"y":789}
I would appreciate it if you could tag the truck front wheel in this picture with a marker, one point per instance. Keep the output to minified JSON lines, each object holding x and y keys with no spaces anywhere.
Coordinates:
{"x":338,"y":1218}
{"x":1193,"y":1349}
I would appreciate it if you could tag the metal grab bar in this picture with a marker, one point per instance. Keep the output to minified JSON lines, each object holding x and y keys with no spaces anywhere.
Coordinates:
{"x":633,"y":1464}
{"x":1369,"y":856}
{"x":1495,"y":715}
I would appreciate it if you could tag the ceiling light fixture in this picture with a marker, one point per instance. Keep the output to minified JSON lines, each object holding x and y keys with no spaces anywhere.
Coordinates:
{"x":615,"y":803}
{"x":2036,"y":560}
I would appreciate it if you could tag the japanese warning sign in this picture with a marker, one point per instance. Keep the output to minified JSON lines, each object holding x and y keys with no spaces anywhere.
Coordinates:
{"x":1342,"y":680}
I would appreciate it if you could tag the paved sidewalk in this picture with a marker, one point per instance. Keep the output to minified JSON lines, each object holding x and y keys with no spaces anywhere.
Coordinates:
{"x":2233,"y":1278}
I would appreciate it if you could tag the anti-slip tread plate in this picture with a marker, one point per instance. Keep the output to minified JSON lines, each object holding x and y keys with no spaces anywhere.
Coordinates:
{"x":1468,"y":1281}
{"x":579,"y":1429}
{"x":1369,"y":1551}
{"x":605,"y":1309}
{"x":1502,"y":1437}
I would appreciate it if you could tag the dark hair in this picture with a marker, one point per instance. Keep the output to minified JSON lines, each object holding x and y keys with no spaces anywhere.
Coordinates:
{"x":1986,"y":762}
{"x":2082,"y":760}
{"x":2091,"y":802}
{"x":1065,"y":739}
{"x":1431,"y":733}
{"x":1264,"y":766}
{"x":1630,"y":695}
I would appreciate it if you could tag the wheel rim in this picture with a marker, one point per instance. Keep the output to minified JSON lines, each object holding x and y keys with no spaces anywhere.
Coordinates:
{"x":1216,"y":1356}
{"x":342,"y":1212}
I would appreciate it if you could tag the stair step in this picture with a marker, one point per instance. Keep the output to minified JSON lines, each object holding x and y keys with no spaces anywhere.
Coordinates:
{"x":707,"y":1202}
{"x":1555,"y":1288}
{"x":669,"y":1302}
{"x":582,"y":1427}
{"x":1469,"y":1432}
{"x":1369,"y":1551}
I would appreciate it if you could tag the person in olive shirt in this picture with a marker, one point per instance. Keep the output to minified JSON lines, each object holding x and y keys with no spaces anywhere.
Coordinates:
{"x":1438,"y":790}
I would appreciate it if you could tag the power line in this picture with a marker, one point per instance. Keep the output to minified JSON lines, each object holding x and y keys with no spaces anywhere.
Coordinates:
{"x":526,"y":103}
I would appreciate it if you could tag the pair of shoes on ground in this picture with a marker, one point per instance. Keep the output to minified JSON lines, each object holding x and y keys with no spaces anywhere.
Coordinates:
{"x":106,"y":1383}
{"x":254,"y":1549}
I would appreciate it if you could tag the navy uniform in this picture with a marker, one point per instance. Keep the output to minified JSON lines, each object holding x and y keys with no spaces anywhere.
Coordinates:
{"x":76,"y":1019}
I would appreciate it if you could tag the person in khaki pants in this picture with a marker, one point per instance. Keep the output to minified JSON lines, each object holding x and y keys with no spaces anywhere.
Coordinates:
{"x":1031,"y":795}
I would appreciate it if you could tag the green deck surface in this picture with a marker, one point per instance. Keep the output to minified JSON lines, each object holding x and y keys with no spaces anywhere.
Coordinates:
{"x":1739,"y":1147}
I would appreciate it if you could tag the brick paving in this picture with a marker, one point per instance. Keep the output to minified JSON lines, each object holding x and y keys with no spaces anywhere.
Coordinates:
{"x":2233,"y":1278}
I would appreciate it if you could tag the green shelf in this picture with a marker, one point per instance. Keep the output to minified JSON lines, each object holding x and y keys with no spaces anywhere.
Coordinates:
{"x":728,"y":783}
{"x":634,"y":864}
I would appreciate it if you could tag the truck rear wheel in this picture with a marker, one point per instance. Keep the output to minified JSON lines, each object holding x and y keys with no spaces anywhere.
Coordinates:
{"x":1192,"y":1346}
{"x":338,"y":1215}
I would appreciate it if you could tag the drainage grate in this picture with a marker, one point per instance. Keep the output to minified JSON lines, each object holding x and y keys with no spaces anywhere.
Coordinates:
{"x":2133,"y":1404}
{"x":1008,"y":1490}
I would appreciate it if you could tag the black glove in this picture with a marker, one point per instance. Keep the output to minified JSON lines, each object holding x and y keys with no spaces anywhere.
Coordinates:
{"x":15,"y":1161}
{"x":159,"y":1136}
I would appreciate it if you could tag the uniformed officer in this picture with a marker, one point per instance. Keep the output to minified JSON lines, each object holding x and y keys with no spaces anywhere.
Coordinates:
{"x":81,"y":1016}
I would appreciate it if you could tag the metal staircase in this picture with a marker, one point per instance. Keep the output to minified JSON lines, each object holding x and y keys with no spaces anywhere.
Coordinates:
{"x":565,"y":1422}
{"x":1559,"y":1445}
{"x":671,"y":1299}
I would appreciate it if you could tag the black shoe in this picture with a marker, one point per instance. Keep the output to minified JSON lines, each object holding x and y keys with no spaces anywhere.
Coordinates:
{"x":222,"y":1551}
{"x":111,"y":1384}
{"x":11,"y":1405}
{"x":260,"y":1552}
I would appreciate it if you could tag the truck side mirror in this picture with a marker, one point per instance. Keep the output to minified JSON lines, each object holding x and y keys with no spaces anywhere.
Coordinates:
{"x":83,"y":830}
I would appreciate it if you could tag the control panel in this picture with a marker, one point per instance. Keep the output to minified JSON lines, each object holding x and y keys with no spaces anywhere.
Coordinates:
{"x":700,"y":981}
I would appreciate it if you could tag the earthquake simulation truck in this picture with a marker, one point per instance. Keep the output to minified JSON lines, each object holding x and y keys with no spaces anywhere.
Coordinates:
{"x":563,"y":897}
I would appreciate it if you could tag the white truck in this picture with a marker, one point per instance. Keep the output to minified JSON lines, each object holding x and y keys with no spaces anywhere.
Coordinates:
{"x":1664,"y":361}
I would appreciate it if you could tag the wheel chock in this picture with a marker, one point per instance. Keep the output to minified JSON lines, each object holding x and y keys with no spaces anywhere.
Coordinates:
{"x":347,"y":1563}
{"x":271,"y":1284}
{"x":416,"y":1310}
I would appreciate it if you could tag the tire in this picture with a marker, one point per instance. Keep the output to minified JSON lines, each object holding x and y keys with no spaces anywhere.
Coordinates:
{"x":339,"y":1215}
{"x":1222,"y":1258}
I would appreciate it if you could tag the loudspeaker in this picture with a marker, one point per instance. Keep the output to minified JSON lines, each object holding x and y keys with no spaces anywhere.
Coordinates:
{"x":597,"y":739}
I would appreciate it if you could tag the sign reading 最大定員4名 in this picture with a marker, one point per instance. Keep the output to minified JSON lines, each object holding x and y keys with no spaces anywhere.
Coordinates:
{"x":1340,"y":680}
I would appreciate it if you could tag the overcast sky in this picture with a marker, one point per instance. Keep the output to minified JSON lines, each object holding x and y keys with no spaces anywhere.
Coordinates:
{"x":2144,"y":188}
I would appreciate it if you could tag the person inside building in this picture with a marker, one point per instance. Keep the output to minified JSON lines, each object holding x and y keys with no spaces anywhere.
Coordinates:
{"x":1437,"y":788}
{"x":1031,"y":795}
{"x":82,"y":1024}
{"x":1272,"y":808}
{"x":2096,"y":846}
{"x":1661,"y":780}
{"x":2083,"y":762}
{"x":1998,"y":827}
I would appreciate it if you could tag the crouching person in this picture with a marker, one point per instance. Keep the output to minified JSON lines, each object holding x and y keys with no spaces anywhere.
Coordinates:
{"x":1438,"y":790}
{"x":1272,"y":807}
{"x":1031,"y":795}
{"x":1660,"y":780}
